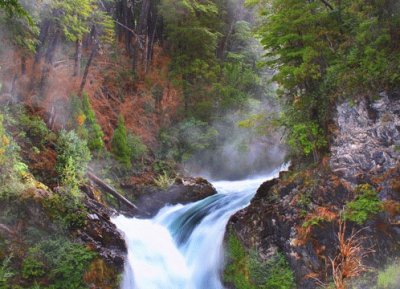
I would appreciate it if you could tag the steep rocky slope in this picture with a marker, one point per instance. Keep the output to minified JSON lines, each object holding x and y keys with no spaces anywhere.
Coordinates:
{"x":298,"y":214}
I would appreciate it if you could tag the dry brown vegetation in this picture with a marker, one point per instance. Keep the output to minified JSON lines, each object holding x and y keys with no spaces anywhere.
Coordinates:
{"x":349,"y":261}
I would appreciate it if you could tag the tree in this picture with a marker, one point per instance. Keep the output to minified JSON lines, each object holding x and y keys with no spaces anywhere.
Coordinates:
{"x":73,"y":157}
{"x":191,"y":29}
{"x":95,"y":133}
{"x":119,"y":144}
{"x":20,"y":29}
{"x":14,"y":8}
{"x":323,"y":50}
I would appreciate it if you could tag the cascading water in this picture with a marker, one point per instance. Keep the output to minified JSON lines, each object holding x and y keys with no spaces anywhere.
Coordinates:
{"x":181,"y":247}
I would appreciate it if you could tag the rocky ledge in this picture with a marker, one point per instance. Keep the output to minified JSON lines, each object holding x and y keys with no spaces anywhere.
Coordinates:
{"x":150,"y":199}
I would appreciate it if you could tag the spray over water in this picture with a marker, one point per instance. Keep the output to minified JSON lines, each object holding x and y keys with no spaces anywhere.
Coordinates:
{"x":182,"y":246}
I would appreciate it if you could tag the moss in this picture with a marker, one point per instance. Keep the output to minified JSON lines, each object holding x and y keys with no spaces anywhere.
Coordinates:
{"x":390,"y":277}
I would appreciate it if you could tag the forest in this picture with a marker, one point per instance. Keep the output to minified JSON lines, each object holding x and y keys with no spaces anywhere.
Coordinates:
{"x":109,"y":107}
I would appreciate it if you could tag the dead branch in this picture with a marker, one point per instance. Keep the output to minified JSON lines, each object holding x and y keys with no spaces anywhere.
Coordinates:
{"x":96,"y":180}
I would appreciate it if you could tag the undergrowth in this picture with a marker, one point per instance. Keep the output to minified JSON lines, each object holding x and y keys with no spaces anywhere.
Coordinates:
{"x":246,"y":271}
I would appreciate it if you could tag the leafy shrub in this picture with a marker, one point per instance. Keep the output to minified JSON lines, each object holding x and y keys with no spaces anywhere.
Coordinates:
{"x":35,"y":128}
{"x":62,"y":262}
{"x":73,"y":157}
{"x":363,"y":206}
{"x":5,"y":273}
{"x":11,"y":168}
{"x":246,"y":271}
{"x":278,"y":274}
{"x":119,"y":144}
{"x":137,"y":148}
{"x":67,"y":209}
{"x":307,"y":138}
{"x":237,"y":270}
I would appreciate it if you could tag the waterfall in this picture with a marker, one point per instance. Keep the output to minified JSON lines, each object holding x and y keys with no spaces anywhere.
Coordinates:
{"x":182,"y":246}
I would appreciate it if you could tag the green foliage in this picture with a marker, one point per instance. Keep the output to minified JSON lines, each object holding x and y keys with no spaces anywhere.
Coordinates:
{"x":73,"y":157}
{"x":237,"y":270}
{"x":313,"y":221}
{"x":179,"y":143}
{"x":321,"y":52}
{"x":389,"y":277}
{"x":35,"y":129}
{"x":74,"y":17}
{"x":363,"y":206}
{"x":307,"y":137}
{"x":61,"y":261}
{"x":137,"y":147}
{"x":5,"y":272}
{"x":119,"y":144}
{"x":191,"y":29}
{"x":14,"y":8}
{"x":11,"y":167}
{"x":94,"y":132}
{"x":67,"y":209}
{"x":278,"y":274}
{"x":237,"y":84}
{"x":245,"y":271}
{"x":163,"y":181}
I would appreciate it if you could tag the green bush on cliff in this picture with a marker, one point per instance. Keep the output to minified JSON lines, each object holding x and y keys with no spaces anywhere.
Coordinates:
{"x":237,"y":271}
{"x":61,"y":262}
{"x":245,"y":271}
{"x":73,"y":157}
{"x":278,"y":274}
{"x":363,"y":206}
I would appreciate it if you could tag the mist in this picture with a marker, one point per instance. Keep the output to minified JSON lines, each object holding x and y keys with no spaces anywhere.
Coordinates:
{"x":241,"y":152}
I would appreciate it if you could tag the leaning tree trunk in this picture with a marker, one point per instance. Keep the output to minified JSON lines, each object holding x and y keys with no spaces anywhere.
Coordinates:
{"x":49,"y":59}
{"x":86,"y":72}
{"x":78,"y":57}
{"x":44,"y":32}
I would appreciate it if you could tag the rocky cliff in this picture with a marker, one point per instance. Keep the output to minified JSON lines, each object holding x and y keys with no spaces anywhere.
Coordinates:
{"x":300,"y":213}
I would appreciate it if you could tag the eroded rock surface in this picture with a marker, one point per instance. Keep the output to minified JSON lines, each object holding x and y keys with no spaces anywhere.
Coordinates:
{"x":365,"y":150}
{"x":368,"y":138}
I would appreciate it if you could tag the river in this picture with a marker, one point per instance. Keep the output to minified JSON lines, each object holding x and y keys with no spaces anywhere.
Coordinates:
{"x":182,"y":246}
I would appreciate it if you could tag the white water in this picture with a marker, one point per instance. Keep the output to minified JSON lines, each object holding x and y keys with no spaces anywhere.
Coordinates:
{"x":182,"y":246}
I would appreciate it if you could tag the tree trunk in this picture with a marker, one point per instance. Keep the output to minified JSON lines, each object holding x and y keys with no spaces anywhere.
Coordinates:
{"x":224,"y":45}
{"x":86,"y":72}
{"x":78,"y":57}
{"x":23,"y":65}
{"x":44,"y":32}
{"x":111,"y":191}
{"x":49,"y":58}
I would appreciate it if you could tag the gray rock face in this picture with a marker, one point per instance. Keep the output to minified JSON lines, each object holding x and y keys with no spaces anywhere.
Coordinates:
{"x":365,"y":149}
{"x":368,"y":138}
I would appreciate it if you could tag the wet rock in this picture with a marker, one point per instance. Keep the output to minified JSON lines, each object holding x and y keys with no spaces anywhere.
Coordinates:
{"x":101,"y":234}
{"x":150,"y":199}
{"x":365,"y":149}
